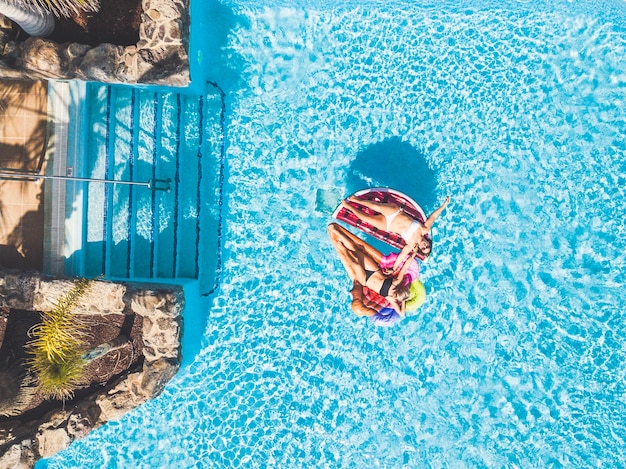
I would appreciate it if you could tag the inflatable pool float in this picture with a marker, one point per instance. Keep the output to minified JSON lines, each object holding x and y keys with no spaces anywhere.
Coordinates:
{"x":389,"y":260}
{"x":416,"y":297}
{"x":382,"y":195}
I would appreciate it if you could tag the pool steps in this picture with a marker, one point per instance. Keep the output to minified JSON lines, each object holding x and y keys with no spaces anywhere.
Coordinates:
{"x":138,"y":135}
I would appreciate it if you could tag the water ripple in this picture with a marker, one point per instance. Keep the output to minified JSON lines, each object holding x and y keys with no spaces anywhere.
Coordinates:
{"x":517,"y":358}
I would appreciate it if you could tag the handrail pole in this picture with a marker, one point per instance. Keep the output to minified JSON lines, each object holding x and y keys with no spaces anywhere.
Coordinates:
{"x":152,"y":184}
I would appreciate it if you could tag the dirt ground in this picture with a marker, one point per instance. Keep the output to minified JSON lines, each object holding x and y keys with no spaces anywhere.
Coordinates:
{"x":14,"y":327}
{"x":117,"y":23}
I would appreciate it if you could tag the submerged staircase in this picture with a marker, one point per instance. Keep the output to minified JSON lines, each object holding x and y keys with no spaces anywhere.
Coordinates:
{"x":164,"y":220}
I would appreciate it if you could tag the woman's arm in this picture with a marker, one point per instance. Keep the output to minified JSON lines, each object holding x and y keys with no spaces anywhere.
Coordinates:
{"x":428,"y":224}
{"x":404,"y":253}
{"x":399,"y":307}
{"x":407,"y":263}
{"x":403,"y":261}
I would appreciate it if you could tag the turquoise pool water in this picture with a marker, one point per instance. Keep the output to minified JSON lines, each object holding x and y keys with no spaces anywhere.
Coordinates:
{"x":517,"y":357}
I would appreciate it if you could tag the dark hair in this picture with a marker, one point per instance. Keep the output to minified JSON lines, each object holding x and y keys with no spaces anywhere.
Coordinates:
{"x":402,"y":290}
{"x":430,"y":247}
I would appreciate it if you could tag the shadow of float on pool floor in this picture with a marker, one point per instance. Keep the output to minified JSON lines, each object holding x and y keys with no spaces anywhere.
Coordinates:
{"x":396,"y":164}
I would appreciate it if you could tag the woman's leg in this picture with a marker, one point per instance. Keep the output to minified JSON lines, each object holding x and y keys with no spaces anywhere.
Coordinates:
{"x":355,"y":243}
{"x":378,"y":220}
{"x":347,"y":254}
{"x":380,"y":207}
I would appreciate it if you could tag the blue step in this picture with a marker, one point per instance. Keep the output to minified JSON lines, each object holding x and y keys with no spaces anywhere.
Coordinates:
{"x":141,"y":135}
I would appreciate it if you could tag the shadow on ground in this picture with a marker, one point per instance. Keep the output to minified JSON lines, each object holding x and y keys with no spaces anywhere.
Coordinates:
{"x":28,"y":236}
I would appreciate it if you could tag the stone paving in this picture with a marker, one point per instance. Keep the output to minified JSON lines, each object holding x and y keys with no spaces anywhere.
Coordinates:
{"x":23,"y":122}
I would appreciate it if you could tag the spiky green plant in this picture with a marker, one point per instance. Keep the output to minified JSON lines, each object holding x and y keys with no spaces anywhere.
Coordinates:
{"x":57,"y":336}
{"x":57,"y":345}
{"x":58,"y":379}
{"x":58,"y":8}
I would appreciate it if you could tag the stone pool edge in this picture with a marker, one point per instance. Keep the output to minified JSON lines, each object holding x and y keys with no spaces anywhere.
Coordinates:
{"x":160,"y":307}
{"x":159,"y":58}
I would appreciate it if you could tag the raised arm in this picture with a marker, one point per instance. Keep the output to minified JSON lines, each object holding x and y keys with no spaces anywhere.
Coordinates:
{"x":428,"y":224}
{"x":405,"y":256}
{"x":395,"y":304}
{"x":407,"y":263}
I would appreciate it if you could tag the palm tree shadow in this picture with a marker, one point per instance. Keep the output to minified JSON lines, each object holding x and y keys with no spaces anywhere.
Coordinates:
{"x":29,"y":235}
{"x":396,"y":164}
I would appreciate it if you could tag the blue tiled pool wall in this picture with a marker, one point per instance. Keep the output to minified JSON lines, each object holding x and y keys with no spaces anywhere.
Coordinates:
{"x":516,"y":358}
{"x":146,"y":135}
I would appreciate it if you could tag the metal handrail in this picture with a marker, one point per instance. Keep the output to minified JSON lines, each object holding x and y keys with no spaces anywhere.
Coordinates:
{"x":153,"y":184}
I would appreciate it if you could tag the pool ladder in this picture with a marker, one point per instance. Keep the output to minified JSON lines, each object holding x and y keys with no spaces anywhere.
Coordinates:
{"x":153,"y":184}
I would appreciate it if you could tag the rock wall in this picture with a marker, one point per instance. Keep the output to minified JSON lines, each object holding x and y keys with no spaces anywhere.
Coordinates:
{"x":23,"y":442}
{"x":160,"y":57}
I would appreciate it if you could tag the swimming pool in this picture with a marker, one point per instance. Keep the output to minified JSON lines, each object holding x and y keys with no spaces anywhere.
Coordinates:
{"x":517,"y":357}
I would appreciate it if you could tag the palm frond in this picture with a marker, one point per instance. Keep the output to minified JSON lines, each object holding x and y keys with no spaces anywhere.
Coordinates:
{"x":58,"y":8}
